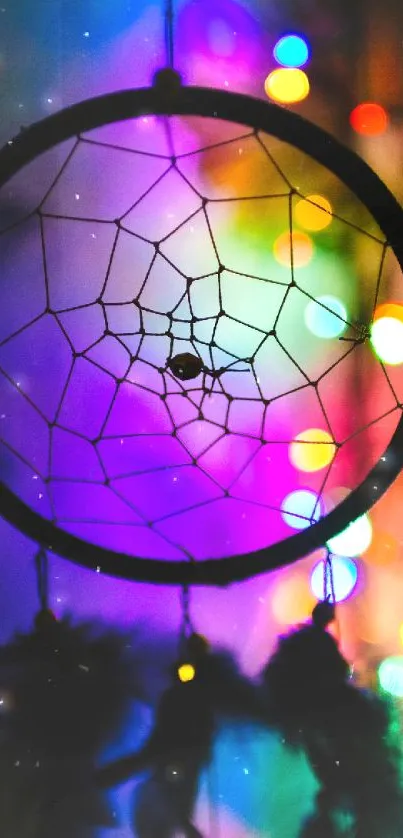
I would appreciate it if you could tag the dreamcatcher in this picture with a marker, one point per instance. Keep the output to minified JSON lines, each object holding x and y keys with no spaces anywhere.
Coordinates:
{"x":166,"y":382}
{"x":151,"y":343}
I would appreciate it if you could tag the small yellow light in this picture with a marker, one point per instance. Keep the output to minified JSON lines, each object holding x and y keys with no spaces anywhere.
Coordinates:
{"x":186,"y":672}
{"x":287,"y":85}
{"x":394,"y":310}
{"x":313,"y":213}
{"x":312,"y":450}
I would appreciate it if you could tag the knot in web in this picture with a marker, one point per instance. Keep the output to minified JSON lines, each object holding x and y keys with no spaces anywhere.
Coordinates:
{"x":186,"y":370}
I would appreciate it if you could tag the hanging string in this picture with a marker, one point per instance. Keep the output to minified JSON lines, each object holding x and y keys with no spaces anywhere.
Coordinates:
{"x":187,"y":628}
{"x":42,"y":576}
{"x":169,"y":33}
{"x":328,"y":579}
{"x":329,"y":593}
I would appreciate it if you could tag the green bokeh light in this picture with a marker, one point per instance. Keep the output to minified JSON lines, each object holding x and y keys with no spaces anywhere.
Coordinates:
{"x":354,"y":540}
{"x":390,"y":675}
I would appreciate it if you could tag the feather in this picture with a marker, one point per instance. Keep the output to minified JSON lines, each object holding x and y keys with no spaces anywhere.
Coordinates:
{"x":67,"y":691}
{"x":345,"y":732}
{"x":181,"y":741}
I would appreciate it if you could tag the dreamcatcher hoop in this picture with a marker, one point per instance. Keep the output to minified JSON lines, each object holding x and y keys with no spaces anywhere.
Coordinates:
{"x":177,"y":100}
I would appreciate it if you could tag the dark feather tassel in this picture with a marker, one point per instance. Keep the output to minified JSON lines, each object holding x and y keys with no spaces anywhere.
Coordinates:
{"x":66,"y":689}
{"x":345,"y":731}
{"x":180,"y":744}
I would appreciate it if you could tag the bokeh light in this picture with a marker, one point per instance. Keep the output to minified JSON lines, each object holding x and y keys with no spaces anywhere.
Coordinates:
{"x":354,"y":540}
{"x":291,"y":51}
{"x":383,"y":550}
{"x":369,"y":119}
{"x":313,"y":213}
{"x":312,"y":450}
{"x":292,"y":600}
{"x":394,"y":310}
{"x":300,"y":508}
{"x":390,"y":674}
{"x":345,"y":576}
{"x":186,"y":672}
{"x":293,"y":248}
{"x":287,"y":85}
{"x":326,"y":317}
{"x":387,"y":340}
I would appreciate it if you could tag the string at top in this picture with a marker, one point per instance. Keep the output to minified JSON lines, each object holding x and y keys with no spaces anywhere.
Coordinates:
{"x":329,"y":593}
{"x":186,"y":628}
{"x":328,"y":579}
{"x":169,"y":33}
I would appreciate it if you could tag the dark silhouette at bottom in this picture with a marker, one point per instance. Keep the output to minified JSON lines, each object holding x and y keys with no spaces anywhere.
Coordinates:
{"x":180,"y":745}
{"x":345,"y":732}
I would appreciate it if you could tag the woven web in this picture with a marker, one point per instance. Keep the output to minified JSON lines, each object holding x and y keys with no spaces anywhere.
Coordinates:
{"x":139,"y":242}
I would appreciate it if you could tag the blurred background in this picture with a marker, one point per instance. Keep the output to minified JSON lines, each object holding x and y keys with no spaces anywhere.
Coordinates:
{"x":350,"y":81}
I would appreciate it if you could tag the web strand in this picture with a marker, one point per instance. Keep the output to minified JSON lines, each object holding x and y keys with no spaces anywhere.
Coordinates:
{"x":180,"y":430}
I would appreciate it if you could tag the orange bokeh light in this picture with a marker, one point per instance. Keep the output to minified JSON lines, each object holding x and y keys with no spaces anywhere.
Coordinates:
{"x":383,"y":550}
{"x":293,"y":249}
{"x":369,"y":119}
{"x":293,"y":600}
{"x":393,"y":310}
{"x":314,"y":213}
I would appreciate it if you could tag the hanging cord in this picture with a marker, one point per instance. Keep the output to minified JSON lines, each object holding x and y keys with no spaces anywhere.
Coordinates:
{"x":169,"y":34}
{"x":45,"y":617}
{"x":329,"y":594}
{"x":186,"y":627}
{"x":167,"y":81}
{"x":328,"y":579}
{"x":42,"y":576}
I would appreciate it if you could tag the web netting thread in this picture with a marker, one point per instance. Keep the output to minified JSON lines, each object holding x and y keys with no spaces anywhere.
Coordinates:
{"x":233,"y":391}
